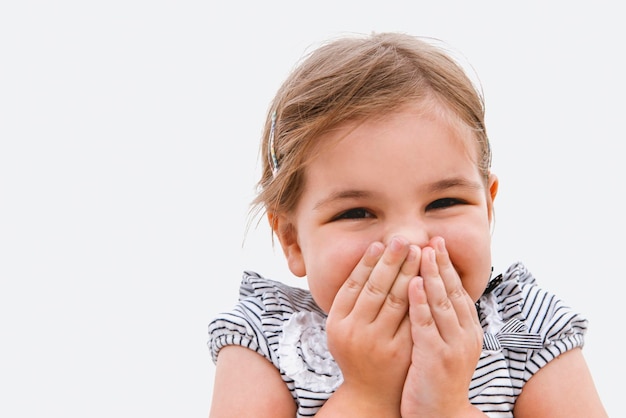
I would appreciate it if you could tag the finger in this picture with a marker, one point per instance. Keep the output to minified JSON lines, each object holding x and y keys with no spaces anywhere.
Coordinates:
{"x":460,"y":299}
{"x":396,"y":305}
{"x":404,"y":329}
{"x":423,"y":327}
{"x":349,"y":292}
{"x":376,"y":289}
{"x":441,"y":307}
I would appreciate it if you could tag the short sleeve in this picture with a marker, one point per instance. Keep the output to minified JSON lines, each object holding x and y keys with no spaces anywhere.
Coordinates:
{"x":561,"y":327}
{"x":519,"y":298}
{"x":237,"y":327}
{"x":257,"y":319}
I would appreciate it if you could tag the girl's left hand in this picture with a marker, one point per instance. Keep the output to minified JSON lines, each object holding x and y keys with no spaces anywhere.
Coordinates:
{"x":447,"y":340}
{"x":368,"y":330}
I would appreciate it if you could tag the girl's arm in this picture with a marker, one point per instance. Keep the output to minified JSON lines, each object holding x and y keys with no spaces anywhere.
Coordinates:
{"x":562,"y":388}
{"x":248,"y":385}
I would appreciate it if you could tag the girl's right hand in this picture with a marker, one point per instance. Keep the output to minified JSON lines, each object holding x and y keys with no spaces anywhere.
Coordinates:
{"x":447,"y":340}
{"x":369,"y":331}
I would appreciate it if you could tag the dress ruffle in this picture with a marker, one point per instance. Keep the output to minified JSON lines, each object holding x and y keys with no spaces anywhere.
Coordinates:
{"x":524,"y":326}
{"x":303,"y":353}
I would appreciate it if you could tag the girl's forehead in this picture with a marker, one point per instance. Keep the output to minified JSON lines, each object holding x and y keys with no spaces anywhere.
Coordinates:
{"x":414,"y":113}
{"x":406,"y":148}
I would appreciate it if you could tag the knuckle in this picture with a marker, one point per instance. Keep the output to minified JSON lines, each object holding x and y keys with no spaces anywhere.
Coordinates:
{"x":352,"y":284}
{"x":444,"y":304}
{"x":374,"y":289}
{"x":396,"y":302}
{"x":427,"y":321}
{"x":457,"y":293}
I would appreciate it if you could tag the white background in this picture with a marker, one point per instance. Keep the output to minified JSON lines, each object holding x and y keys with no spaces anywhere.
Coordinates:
{"x":128,"y":156}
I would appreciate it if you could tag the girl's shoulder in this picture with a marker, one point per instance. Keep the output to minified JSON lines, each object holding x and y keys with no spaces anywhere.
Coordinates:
{"x":516,"y":297}
{"x":256,"y":320}
{"x":273,"y":296}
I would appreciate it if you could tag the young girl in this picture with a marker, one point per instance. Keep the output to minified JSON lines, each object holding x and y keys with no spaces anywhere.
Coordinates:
{"x":376,"y":181}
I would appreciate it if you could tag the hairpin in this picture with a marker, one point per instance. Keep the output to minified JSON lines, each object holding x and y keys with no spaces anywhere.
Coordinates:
{"x":271,"y":151}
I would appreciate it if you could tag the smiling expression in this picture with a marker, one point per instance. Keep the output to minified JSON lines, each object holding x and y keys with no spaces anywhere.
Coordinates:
{"x":411,"y":173}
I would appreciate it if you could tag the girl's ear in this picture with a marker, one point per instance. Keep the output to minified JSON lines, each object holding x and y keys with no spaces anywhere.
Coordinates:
{"x":288,"y":237}
{"x":493,"y":186}
{"x":493,"y":191}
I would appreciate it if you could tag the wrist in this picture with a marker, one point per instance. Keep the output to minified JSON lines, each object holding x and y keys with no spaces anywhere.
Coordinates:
{"x":352,"y":402}
{"x":469,"y":411}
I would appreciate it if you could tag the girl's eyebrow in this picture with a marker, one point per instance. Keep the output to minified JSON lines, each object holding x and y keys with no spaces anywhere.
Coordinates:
{"x":343,"y":195}
{"x":438,"y":186}
{"x":454,"y":182}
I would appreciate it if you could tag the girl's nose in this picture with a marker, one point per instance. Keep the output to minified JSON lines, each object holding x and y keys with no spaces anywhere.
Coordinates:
{"x":413,"y":230}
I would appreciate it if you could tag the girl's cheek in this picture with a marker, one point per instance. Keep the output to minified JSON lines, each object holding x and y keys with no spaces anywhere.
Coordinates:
{"x":354,"y":253}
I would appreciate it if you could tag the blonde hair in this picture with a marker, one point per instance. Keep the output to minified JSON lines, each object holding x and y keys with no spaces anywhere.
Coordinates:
{"x":354,"y":78}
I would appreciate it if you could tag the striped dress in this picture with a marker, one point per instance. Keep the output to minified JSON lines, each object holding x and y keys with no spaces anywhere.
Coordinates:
{"x":524,"y":328}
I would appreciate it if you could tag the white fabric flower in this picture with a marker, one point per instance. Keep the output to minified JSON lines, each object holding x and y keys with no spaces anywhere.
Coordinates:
{"x":489,"y":307}
{"x":304,"y":356}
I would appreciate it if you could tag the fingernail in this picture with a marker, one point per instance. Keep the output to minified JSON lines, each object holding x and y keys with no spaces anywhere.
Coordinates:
{"x":375,"y":250}
{"x":412,"y":256}
{"x":395,"y":244}
{"x":430,"y":253}
{"x":441,"y":245}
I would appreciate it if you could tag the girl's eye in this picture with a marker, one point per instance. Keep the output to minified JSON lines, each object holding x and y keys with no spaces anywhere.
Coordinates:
{"x":356,"y":213}
{"x":444,"y":203}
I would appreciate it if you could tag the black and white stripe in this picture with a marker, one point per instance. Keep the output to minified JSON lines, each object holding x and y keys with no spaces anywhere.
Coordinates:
{"x":536,"y":327}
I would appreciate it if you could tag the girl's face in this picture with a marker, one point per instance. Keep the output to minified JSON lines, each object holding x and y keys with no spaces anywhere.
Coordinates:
{"x":410,"y":174}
